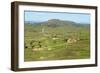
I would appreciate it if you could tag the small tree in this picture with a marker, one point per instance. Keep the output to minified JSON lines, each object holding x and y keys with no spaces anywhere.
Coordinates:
{"x":39,"y":43}
{"x":32,"y":44}
{"x":25,"y":46}
{"x":65,"y":39}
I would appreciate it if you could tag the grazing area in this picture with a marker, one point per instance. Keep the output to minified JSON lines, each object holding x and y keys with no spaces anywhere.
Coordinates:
{"x":56,"y":39}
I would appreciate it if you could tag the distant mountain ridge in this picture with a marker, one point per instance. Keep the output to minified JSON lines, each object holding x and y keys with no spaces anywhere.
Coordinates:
{"x":57,"y":22}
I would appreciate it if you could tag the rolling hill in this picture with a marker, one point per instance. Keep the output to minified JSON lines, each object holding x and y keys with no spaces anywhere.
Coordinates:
{"x":56,"y":40}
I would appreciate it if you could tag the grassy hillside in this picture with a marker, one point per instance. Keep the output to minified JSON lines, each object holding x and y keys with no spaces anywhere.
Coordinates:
{"x":56,"y":40}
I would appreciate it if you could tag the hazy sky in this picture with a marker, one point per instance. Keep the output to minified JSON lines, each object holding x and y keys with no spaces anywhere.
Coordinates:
{"x":37,"y":16}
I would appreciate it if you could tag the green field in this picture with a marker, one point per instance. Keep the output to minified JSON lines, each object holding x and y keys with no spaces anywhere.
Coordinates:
{"x":56,"y":40}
